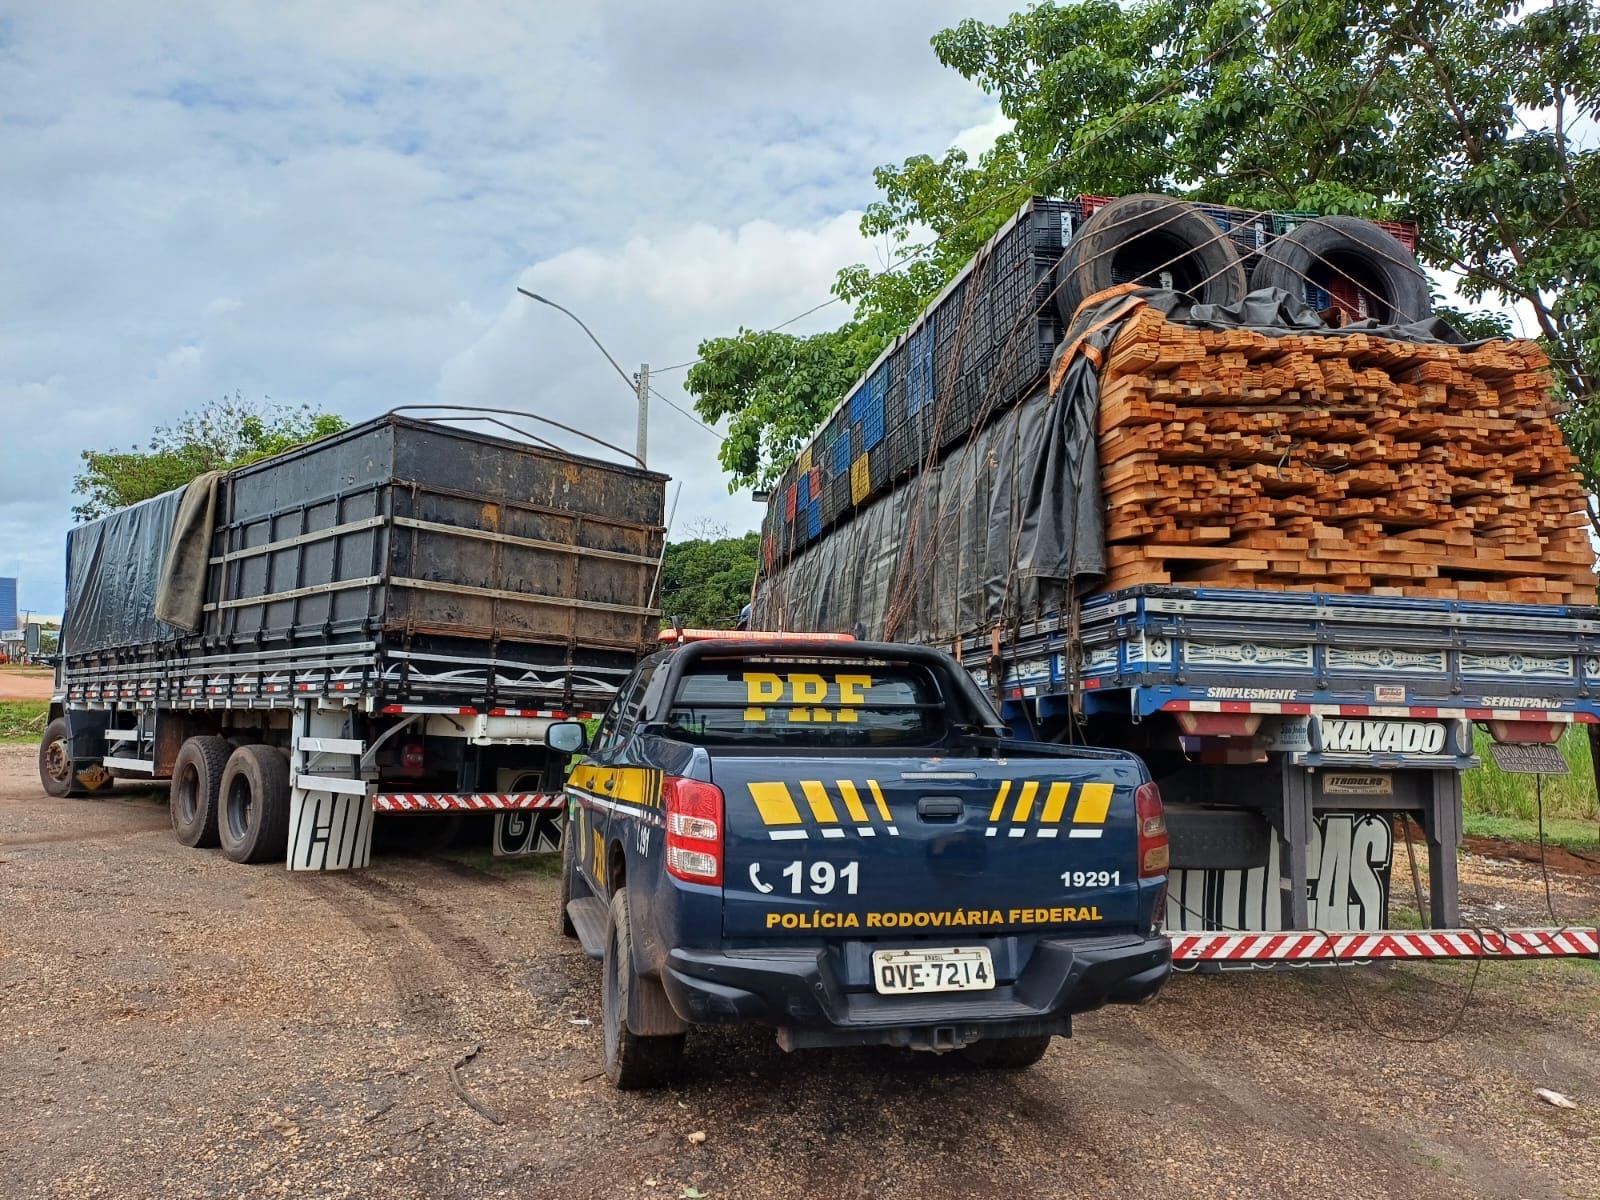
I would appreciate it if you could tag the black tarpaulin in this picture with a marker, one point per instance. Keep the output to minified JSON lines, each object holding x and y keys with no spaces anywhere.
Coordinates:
{"x":113,"y":574}
{"x":1010,"y":523}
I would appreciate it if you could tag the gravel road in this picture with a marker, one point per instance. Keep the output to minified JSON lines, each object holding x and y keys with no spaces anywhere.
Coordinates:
{"x":173,"y":1025}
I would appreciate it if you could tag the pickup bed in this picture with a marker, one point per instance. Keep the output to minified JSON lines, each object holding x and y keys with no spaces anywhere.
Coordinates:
{"x":840,"y":841}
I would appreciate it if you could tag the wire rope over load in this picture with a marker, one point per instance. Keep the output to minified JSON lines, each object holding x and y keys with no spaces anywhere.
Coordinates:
{"x":1153,"y":240}
{"x":1350,"y":264}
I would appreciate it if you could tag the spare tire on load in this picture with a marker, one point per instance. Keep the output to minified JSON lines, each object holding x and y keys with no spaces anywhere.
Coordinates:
{"x":1152,"y":240}
{"x":1353,"y":264}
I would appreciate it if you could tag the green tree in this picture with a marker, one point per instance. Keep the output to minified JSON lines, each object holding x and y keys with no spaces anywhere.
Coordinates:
{"x":223,"y":434}
{"x":774,"y":388}
{"x":706,"y":579}
{"x":1473,"y":118}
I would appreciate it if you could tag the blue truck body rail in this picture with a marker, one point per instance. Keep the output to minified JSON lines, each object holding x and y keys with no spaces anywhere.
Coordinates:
{"x":1148,"y":649}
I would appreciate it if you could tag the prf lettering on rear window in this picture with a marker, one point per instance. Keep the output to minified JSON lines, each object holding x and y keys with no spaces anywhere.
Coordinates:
{"x":814,"y":697}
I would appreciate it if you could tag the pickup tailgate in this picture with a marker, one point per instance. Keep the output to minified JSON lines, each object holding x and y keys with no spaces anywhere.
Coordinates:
{"x":906,"y":846}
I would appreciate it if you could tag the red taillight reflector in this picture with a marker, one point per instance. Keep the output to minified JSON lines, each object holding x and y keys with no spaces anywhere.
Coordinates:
{"x":1526,"y":731}
{"x":694,"y":829}
{"x":1154,"y":852}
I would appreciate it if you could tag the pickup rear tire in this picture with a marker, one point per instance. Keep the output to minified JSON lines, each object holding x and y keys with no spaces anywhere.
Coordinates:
{"x":1007,"y":1053}
{"x":253,"y":805}
{"x":632,"y":1062}
{"x":196,"y":779}
{"x":569,"y":865}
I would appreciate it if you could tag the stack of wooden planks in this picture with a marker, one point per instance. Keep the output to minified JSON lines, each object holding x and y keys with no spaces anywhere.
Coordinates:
{"x":1339,"y":463}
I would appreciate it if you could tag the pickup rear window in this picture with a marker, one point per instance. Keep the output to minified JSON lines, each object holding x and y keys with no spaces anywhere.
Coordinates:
{"x":755,"y":703}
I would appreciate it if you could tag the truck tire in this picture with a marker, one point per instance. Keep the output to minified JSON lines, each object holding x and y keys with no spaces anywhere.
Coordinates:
{"x":253,"y":805}
{"x":632,"y":1062}
{"x":569,"y":868}
{"x":1355,"y":250}
{"x":55,"y":762}
{"x":196,"y":778}
{"x":1137,"y":237}
{"x":1007,"y":1053}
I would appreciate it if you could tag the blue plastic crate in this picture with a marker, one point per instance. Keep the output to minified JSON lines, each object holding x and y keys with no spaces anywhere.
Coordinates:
{"x":919,"y":368}
{"x":840,"y":457}
{"x":813,"y":521}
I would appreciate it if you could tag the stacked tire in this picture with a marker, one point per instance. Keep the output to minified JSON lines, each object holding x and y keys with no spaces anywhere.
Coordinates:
{"x":1336,"y":262}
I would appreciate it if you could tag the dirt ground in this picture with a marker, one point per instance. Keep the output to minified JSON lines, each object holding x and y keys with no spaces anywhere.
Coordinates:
{"x":173,"y":1025}
{"x":26,"y":683}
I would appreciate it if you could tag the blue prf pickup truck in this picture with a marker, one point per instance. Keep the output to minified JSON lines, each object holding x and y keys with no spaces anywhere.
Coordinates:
{"x":840,"y":840}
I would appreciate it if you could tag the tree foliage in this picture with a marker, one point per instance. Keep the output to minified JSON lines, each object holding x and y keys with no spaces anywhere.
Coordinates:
{"x":1477,"y":119}
{"x":223,"y":434}
{"x":774,"y":389}
{"x":706,"y":580}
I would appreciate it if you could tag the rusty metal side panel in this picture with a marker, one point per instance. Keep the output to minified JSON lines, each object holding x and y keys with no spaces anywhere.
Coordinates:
{"x":513,"y":544}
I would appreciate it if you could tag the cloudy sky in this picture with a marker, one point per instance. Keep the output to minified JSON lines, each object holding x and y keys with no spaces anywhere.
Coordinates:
{"x":334,"y":204}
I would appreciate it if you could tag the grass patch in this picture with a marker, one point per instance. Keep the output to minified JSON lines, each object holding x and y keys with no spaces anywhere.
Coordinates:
{"x":1490,"y":792}
{"x":23,"y":720}
{"x":1558,"y":831}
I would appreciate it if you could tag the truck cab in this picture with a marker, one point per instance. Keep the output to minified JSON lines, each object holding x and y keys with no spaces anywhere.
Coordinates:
{"x":841,"y":841}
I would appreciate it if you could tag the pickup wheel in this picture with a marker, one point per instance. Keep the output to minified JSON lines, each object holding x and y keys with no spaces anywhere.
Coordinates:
{"x":253,"y":805}
{"x":632,"y":1062}
{"x":1007,"y":1053}
{"x":569,"y":867}
{"x":196,"y":779}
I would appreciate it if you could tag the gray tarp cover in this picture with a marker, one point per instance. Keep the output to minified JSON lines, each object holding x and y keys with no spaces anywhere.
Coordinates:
{"x":181,"y":590}
{"x":1010,"y":522}
{"x":113,"y":574}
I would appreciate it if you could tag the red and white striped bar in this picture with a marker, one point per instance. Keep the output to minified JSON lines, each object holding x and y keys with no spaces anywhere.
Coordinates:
{"x":464,"y":802}
{"x":1421,"y":712}
{"x":1301,"y":946}
{"x":554,"y":713}
{"x":1418,"y":711}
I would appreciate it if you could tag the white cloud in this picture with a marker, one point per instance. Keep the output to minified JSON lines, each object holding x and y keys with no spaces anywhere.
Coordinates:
{"x":977,"y":140}
{"x":333,"y":204}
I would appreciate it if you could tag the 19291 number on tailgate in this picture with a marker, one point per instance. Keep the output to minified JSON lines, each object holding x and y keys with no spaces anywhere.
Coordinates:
{"x":901,"y":972}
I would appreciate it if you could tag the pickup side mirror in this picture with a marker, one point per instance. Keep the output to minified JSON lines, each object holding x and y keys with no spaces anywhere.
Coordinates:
{"x":567,"y":737}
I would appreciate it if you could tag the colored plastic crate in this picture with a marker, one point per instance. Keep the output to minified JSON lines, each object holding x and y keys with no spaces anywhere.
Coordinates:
{"x":860,"y":479}
{"x":1402,"y":231}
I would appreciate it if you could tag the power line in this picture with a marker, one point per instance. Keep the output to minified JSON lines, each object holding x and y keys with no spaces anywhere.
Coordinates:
{"x":688,"y":414}
{"x":1026,"y":184}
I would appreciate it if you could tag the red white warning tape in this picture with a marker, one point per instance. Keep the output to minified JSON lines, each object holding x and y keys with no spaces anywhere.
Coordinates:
{"x":1301,"y":946}
{"x":1426,"y":712}
{"x":446,"y":801}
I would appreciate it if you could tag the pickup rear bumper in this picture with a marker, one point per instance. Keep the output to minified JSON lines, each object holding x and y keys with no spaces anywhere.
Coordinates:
{"x":819,"y":996}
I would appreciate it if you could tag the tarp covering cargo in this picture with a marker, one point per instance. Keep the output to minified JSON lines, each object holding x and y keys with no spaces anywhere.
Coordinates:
{"x":1009,"y":523}
{"x":113,"y":571}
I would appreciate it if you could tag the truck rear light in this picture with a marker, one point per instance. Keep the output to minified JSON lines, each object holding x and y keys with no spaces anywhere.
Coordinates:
{"x":1154,"y":854}
{"x":1526,"y":731}
{"x":694,"y":829}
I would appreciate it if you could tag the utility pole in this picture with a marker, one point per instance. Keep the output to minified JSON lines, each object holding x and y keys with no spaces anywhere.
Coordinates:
{"x":641,"y":384}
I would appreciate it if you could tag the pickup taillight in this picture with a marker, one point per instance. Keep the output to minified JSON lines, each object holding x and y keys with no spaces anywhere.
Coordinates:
{"x":1153,"y":851}
{"x":694,"y":829}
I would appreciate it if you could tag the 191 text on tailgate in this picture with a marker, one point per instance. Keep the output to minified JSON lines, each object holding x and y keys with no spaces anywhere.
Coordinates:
{"x":838,"y":840}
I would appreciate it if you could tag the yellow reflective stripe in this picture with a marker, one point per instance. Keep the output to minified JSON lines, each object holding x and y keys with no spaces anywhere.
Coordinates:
{"x":877,"y":799}
{"x":1094,"y":802}
{"x":821,"y":805}
{"x":852,"y":801}
{"x":1024,"y":808}
{"x":1055,"y":803}
{"x":774,"y":803}
{"x":1000,"y":801}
